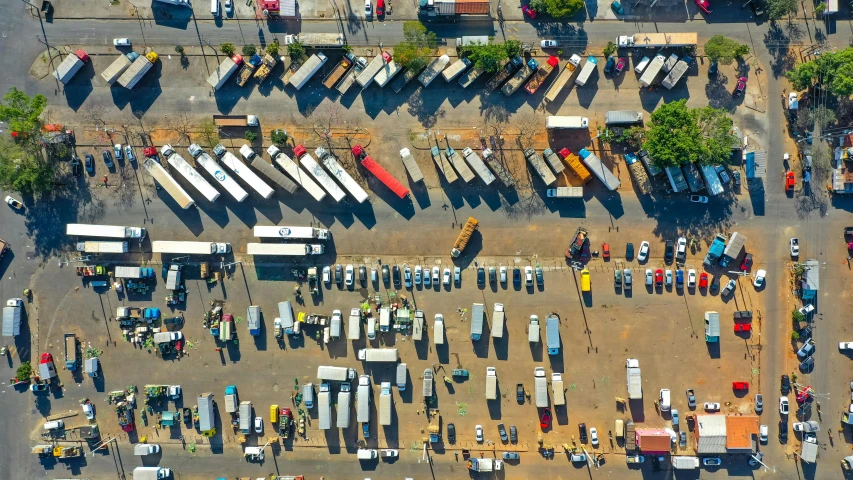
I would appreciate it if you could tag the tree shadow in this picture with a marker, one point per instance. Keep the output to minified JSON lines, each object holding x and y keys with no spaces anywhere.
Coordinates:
{"x":778,"y":40}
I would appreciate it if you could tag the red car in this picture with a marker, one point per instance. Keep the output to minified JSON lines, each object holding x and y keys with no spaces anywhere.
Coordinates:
{"x":703,"y":5}
{"x":605,"y":251}
{"x":790,"y":181}
{"x":149,"y":152}
{"x":620,"y":65}
{"x":743,"y":327}
{"x":659,"y":277}
{"x":747,"y":262}
{"x":740,"y":385}
{"x":741,"y":86}
{"x":380,"y":8}
{"x":545,"y":419}
{"x":703,"y":280}
{"x":528,"y":11}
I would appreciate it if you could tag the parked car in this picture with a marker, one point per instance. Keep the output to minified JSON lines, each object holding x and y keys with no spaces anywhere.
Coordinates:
{"x":395,"y":275}
{"x":627,"y":276}
{"x":90,"y":163}
{"x":548,"y":44}
{"x":446,"y":276}
{"x":327,"y":274}
{"x":516,"y":276}
{"x":593,"y":436}
{"x":582,"y":432}
{"x":528,"y":11}
{"x":649,"y":276}
{"x":668,"y":277}
{"x":528,"y":276}
{"x":620,"y":66}
{"x":540,"y":279}
{"x":783,"y":405}
{"x":698,"y":199}
{"x":545,"y":419}
{"x":386,"y":274}
{"x":679,"y":278}
{"x":451,"y":433}
{"x":785,"y":384}
{"x":730,"y":288}
{"x":659,"y":277}
{"x":703,"y":280}
{"x":763,"y":433}
{"x":481,"y":277}
{"x":617,"y":8}
{"x":806,"y":350}
{"x":478,"y":433}
{"x":760,"y":275}
{"x":746,"y":264}
{"x":712,"y":406}
{"x":493,"y":276}
{"x":691,"y":398}
{"x":128,"y":151}
{"x":611,"y":62}
{"x":407,"y":276}
{"x":704,"y":6}
{"x":513,"y":434}
{"x":617,"y":278}
{"x":121,"y":42}
{"x":502,"y":432}
{"x":457,"y":276}
{"x":76,"y":167}
{"x":510,"y":456}
{"x":644,"y":252}
{"x":740,"y":87}
{"x":691,"y":278}
{"x":503,"y":274}
{"x":368,"y":8}
{"x":807,"y":365}
{"x":669,"y":252}
{"x":681,"y":250}
{"x":712,"y":462}
{"x":259,"y":425}
{"x":229,"y":7}
{"x":629,"y":251}
{"x":759,"y":403}
{"x":721,"y":171}
{"x":350,"y":275}
{"x":108,"y":159}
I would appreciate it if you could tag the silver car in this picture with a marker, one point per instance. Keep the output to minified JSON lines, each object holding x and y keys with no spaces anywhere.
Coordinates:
{"x":730,"y":288}
{"x":626,"y":275}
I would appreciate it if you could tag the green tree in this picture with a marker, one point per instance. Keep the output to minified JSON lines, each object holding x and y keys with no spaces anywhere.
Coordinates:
{"x":610,"y":49}
{"x":419,"y":44}
{"x":833,"y":70}
{"x":808,"y":119}
{"x":23,"y":113}
{"x":179,"y":49}
{"x":777,"y":9}
{"x":820,"y":8}
{"x":208,"y":130}
{"x":715,"y":128}
{"x":558,"y":8}
{"x":797,"y":317}
{"x":250,"y":135}
{"x":795,"y":336}
{"x":249,"y":50}
{"x":23,"y":166}
{"x":25,"y":371}
{"x":295,"y":50}
{"x":724,"y":50}
{"x":278,"y":137}
{"x":227,"y":48}
{"x":272,"y":49}
{"x":678,"y":134}
{"x":635,"y":137}
{"x":512,"y":47}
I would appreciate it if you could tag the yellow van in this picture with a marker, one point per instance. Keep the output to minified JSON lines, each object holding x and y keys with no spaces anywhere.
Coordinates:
{"x":274,"y":414}
{"x":585,"y":283}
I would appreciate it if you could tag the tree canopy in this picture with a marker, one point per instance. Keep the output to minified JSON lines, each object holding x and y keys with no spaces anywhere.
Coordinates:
{"x":489,"y":57}
{"x":23,"y":167}
{"x":777,"y":9}
{"x":418,"y":45}
{"x":557,"y":8}
{"x":833,"y":70}
{"x":22,"y":112}
{"x":724,"y":50}
{"x":678,"y":135}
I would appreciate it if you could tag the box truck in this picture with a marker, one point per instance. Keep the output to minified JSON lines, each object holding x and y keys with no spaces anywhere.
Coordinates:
{"x":491,"y":383}
{"x":70,"y":66}
{"x":307,"y":70}
{"x":586,"y":71}
{"x":224,"y":71}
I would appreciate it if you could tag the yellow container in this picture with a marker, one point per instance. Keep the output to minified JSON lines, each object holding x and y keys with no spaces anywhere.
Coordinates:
{"x":274,"y":414}
{"x":585,"y":281}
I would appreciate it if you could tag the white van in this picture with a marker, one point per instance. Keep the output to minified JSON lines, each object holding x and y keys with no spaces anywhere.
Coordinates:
{"x":533,"y":329}
{"x":664,"y":400}
{"x":214,"y":8}
{"x":642,"y":65}
{"x":371,"y":327}
{"x":54,"y":425}
{"x":366,"y":454}
{"x":438,"y":329}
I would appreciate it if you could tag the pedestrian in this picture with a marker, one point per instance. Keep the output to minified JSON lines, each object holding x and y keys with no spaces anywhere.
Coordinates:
{"x":105,"y":180}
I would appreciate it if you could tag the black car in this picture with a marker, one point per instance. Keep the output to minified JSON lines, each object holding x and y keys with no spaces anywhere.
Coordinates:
{"x":519,"y":393}
{"x":783,"y":431}
{"x":339,"y":273}
{"x":668,"y":252}
{"x":807,"y":365}
{"x":395,"y":272}
{"x":736,"y":176}
{"x":493,"y":275}
{"x":629,"y":251}
{"x":582,"y":430}
{"x":385,"y":274}
{"x":513,"y":434}
{"x":108,"y":159}
{"x":90,"y":163}
{"x":481,"y":277}
{"x":502,"y":431}
{"x":451,"y":433}
{"x":540,"y":279}
{"x":786,"y":385}
{"x":516,"y":277}
{"x":806,"y":333}
{"x":76,"y":167}
{"x":715,"y":284}
{"x":362,"y":275}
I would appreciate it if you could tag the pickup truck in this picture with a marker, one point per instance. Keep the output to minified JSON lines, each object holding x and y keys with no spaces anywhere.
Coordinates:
{"x":795,"y":247}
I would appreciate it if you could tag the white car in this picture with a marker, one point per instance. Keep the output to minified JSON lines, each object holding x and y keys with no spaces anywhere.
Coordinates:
{"x":593,"y":436}
{"x":783,"y":405}
{"x":644,"y":252}
{"x":229,"y":7}
{"x":650,"y":278}
{"x":691,"y":278}
{"x":698,"y":199}
{"x":259,"y":425}
{"x":89,"y":410}
{"x":668,"y":277}
{"x":759,"y":278}
{"x":327,"y":274}
{"x":681,"y":249}
{"x":350,"y":275}
{"x":407,"y":276}
{"x":806,"y":309}
{"x":446,"y":276}
{"x":548,"y":44}
{"x":479,"y":433}
{"x":418,"y":271}
{"x":795,"y":247}
{"x":503,"y":274}
{"x":121,"y":42}
{"x":712,"y":406}
{"x":368,"y":8}
{"x":845,"y":345}
{"x":435,"y":272}
{"x":763,"y":432}
{"x":528,"y":276}
{"x":14,"y":203}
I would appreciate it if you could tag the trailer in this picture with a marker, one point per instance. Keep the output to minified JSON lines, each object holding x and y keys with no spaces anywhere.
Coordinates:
{"x":651,"y":72}
{"x":225,"y":181}
{"x":189,"y":173}
{"x":541,"y":75}
{"x":196,"y":248}
{"x":385,"y":401}
{"x":634,"y":379}
{"x":443,"y":165}
{"x":552,"y":329}
{"x":564,"y":192}
{"x":307,"y":70}
{"x":246,"y":417}
{"x":477,"y":320}
{"x":285,"y":249}
{"x":657,"y":40}
{"x":118,"y":67}
{"x":316,"y":40}
{"x":380,"y":173}
{"x":69,"y":67}
{"x":491,"y":383}
{"x":354,"y":325}
{"x":685,"y":463}
{"x":504,"y":72}
{"x":733,"y":248}
{"x":484,"y":464}
{"x":324,"y":407}
{"x":310,"y":164}
{"x":597,"y":167}
{"x":235,"y":120}
{"x":102,"y":247}
{"x":133,"y":272}
{"x":454,"y":70}
{"x":363,"y":395}
{"x":386,"y":73}
{"x":224,"y":71}
{"x":540,"y":386}
{"x":411,"y":165}
{"x":470,"y":76}
{"x":563,"y":78}
{"x":238,"y":167}
{"x":298,"y":176}
{"x":343,"y":407}
{"x":378,"y":355}
{"x":339,"y":71}
{"x":495,"y":164}
{"x":268,"y":170}
{"x":566,"y":123}
{"x":12,"y":314}
{"x":402,"y":377}
{"x":365,"y":78}
{"x":694,"y":179}
{"x":676,"y":179}
{"x":623,"y":117}
{"x":178,"y":194}
{"x":464,"y":235}
{"x":498,"y":321}
{"x":137,"y":70}
{"x":535,"y":160}
{"x":110,"y":231}
{"x":676,"y":73}
{"x":248,"y":69}
{"x":336,"y":170}
{"x":586,"y":71}
{"x":427,"y":386}
{"x":553,"y":160}
{"x":478,"y":166}
{"x":521,"y":76}
{"x":557,"y":389}
{"x":349,"y":78}
{"x":418,"y":326}
{"x":461,"y":167}
{"x":641,"y":180}
{"x":712,"y":181}
{"x":715,"y":250}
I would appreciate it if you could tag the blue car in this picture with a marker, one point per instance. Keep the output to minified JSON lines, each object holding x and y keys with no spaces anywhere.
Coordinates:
{"x":617,"y":8}
{"x":679,"y":278}
{"x":611,"y":61}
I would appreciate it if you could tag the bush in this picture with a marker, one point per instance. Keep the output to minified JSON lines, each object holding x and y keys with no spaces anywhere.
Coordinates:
{"x":227,"y":48}
{"x":724,"y":50}
{"x":296,"y":50}
{"x":179,"y":49}
{"x":557,"y":8}
{"x":278,"y":137}
{"x":797,"y":316}
{"x":272,"y":49}
{"x":795,"y":336}
{"x":610,"y":49}
{"x":25,"y":371}
{"x":249,"y":50}
{"x":250,"y":135}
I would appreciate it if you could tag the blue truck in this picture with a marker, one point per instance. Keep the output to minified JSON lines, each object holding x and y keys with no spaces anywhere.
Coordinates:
{"x":552,"y":328}
{"x":715,"y":251}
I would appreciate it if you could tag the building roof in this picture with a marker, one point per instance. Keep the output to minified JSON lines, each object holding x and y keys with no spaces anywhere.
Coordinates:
{"x":711,"y":433}
{"x":653,"y":440}
{"x":756,"y":164}
{"x":842,"y":180}
{"x":740,"y":430}
{"x":472,"y":7}
{"x":444,"y":7}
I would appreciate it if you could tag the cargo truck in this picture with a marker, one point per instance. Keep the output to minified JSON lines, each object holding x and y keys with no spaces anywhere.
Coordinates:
{"x":354,"y":325}
{"x":224,"y":71}
{"x":520,"y":77}
{"x":411,"y":165}
{"x":406,"y":76}
{"x":694,"y":179}
{"x":268,"y":170}
{"x":380,"y":173}
{"x":427,"y":386}
{"x":111,"y":231}
{"x":159,"y":174}
{"x":565,"y":76}
{"x":557,"y":389}
{"x":597,"y":167}
{"x":676,"y":179}
{"x":336,"y":170}
{"x":623,"y":117}
{"x":349,"y":78}
{"x":641,"y":180}
{"x":151,"y":473}
{"x":232,"y":162}
{"x":434,"y":425}
{"x":229,"y":184}
{"x":343,"y":407}
{"x":635,"y":380}
{"x":246,"y":417}
{"x":552,"y":329}
{"x":285,"y":249}
{"x":324,"y":407}
{"x":498,"y":321}
{"x":385,"y":404}
{"x":586,"y":71}
{"x":807,"y":454}
{"x":540,"y":386}
{"x":454,"y":70}
{"x":491,"y":383}
{"x":733,"y":248}
{"x":651,"y":72}
{"x":461,"y":167}
{"x":365,"y":78}
{"x":196,"y":248}
{"x":433,"y":70}
{"x":464,"y":235}
{"x":339,"y":71}
{"x":553,"y":160}
{"x":495,"y":164}
{"x":712,"y":180}
{"x":566,"y":123}
{"x":316,"y":40}
{"x":676,"y":73}
{"x":289,"y":166}
{"x":307,"y":70}
{"x":715,"y":250}
{"x":178,"y":163}
{"x":478,"y":166}
{"x":539,"y":166}
{"x":312,"y":167}
{"x":70,"y":352}
{"x":565,"y":192}
{"x":470,"y":76}
{"x":477,"y":320}
{"x":70,"y":66}
{"x":248,"y":69}
{"x":378,"y":355}
{"x":337,"y":374}
{"x":363,"y":396}
{"x":402,"y":377}
{"x":102,"y":247}
{"x":231,"y":399}
{"x":506,"y":70}
{"x":484,"y":464}
{"x":268,"y":63}
{"x":685,"y":463}
{"x":133,"y":272}
{"x":118,"y":67}
{"x":386,"y":73}
{"x":657,"y":40}
{"x":137,"y":70}
{"x":443,"y":165}
{"x":438,"y":329}
{"x":235,"y":120}
{"x":541,"y":75}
